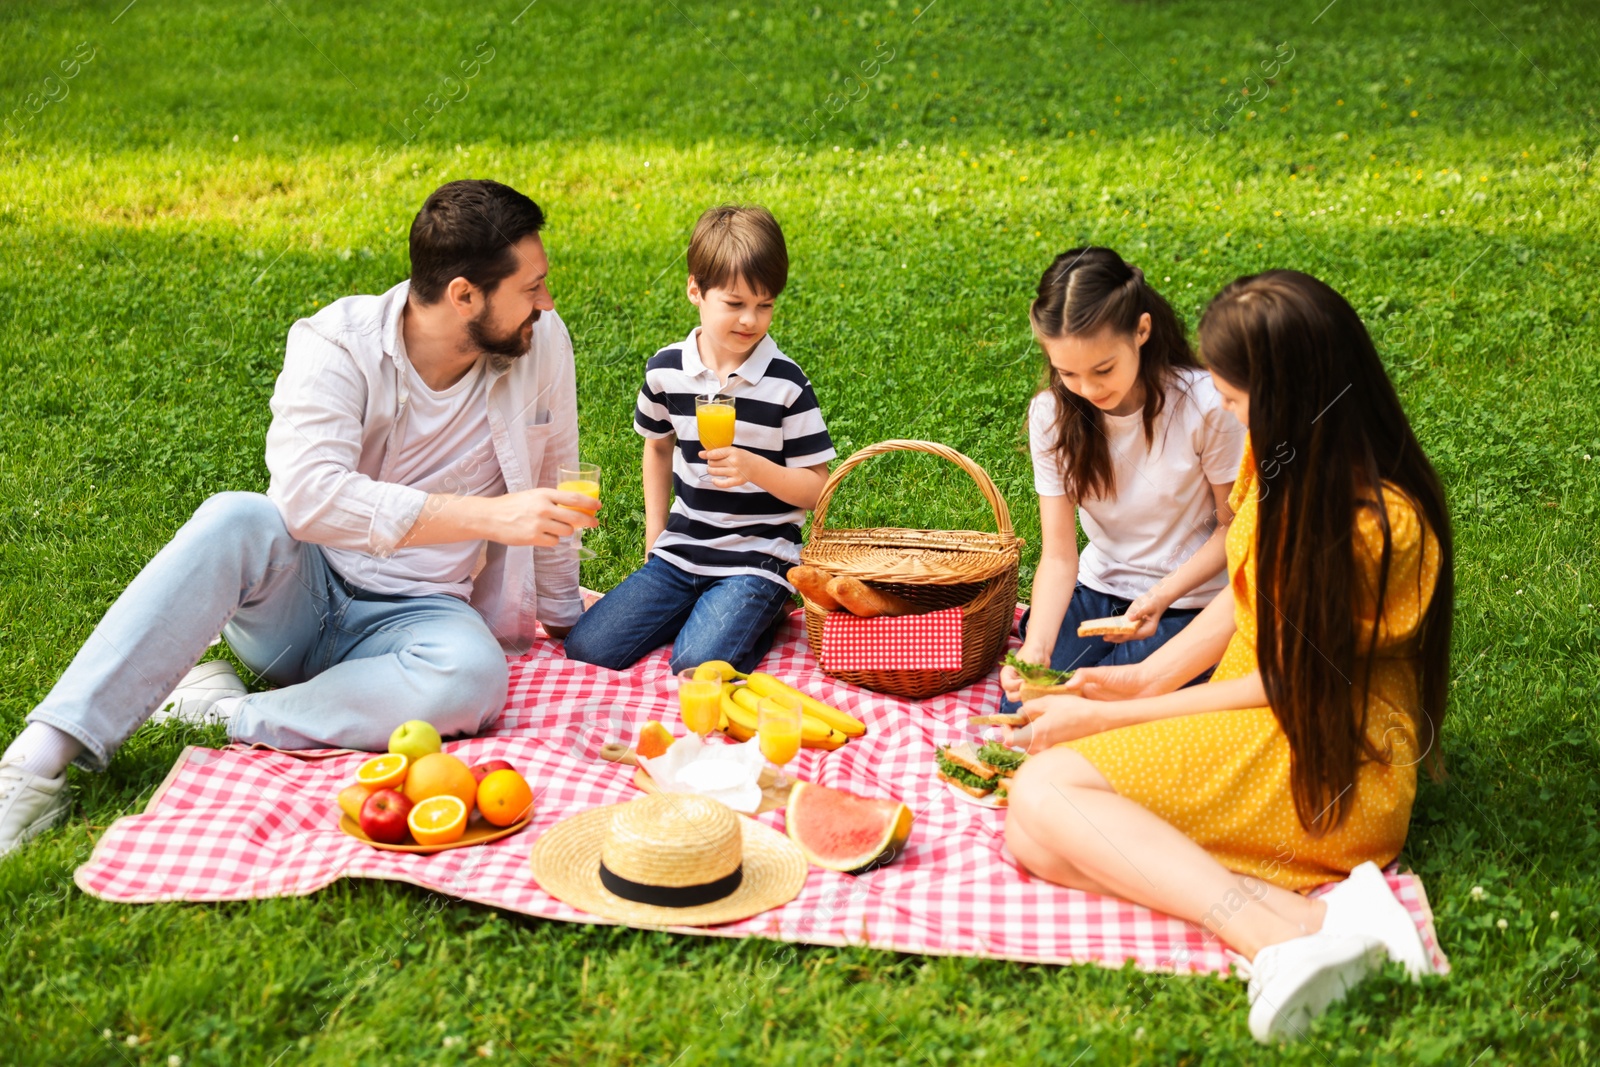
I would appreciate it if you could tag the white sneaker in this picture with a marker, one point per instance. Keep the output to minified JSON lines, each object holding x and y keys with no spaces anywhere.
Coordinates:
{"x":1363,"y":905}
{"x":197,"y":695}
{"x":29,"y":804}
{"x":1294,"y":981}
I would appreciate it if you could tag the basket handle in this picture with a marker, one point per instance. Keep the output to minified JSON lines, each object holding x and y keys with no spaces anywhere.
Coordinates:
{"x":1002,"y":515}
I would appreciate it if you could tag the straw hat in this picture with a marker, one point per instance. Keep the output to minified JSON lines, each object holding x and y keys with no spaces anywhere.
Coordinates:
{"x":668,"y":859}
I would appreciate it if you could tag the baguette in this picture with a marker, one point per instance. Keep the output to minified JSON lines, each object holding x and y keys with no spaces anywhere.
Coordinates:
{"x":813,"y":585}
{"x":1115,"y":626}
{"x":859,"y":598}
{"x":965,"y":788}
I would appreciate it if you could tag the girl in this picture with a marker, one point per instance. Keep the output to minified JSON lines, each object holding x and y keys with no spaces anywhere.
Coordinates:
{"x":1296,"y":765}
{"x":1130,"y":431}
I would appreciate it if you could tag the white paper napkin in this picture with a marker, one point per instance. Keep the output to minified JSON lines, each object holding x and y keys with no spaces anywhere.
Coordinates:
{"x":729,"y":773}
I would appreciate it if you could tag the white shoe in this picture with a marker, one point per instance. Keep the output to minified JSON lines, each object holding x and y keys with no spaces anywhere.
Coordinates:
{"x":197,"y":695}
{"x":1294,"y":981}
{"x":29,"y":804}
{"x":1363,"y":905}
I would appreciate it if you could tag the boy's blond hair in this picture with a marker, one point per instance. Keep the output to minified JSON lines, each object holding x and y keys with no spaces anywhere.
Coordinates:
{"x":733,"y":242}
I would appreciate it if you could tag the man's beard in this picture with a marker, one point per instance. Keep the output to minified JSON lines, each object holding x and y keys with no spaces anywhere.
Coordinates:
{"x":509,"y":345}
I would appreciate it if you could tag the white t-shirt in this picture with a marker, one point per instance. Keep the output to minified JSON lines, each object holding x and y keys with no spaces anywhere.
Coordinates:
{"x":447,"y":449}
{"x":1163,"y":508}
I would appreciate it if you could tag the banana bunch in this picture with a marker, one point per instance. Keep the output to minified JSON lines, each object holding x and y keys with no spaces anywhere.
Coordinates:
{"x":821,"y":726}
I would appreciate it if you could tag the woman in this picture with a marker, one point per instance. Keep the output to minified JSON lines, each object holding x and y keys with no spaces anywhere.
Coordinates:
{"x":1296,"y":765}
{"x":1129,"y":433}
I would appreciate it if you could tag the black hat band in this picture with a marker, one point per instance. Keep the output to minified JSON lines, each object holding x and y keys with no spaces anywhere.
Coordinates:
{"x":671,"y":896}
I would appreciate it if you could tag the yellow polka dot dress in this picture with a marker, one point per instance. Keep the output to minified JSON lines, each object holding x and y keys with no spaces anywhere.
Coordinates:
{"x":1223,"y":777}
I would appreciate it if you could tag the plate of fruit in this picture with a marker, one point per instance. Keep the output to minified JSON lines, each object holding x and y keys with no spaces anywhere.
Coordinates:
{"x":425,"y":800}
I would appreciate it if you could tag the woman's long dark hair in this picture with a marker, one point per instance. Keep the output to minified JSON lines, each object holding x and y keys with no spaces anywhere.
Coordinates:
{"x":1322,"y":408}
{"x":1083,"y":292}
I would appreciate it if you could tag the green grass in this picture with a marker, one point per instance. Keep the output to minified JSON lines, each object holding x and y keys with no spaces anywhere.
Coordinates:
{"x":217,"y":170}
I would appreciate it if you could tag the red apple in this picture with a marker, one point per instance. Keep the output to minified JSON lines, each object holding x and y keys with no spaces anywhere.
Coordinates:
{"x":383,"y":816}
{"x":483,"y":770}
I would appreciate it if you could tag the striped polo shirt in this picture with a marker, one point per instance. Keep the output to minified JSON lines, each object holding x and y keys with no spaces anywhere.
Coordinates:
{"x":744,"y":530}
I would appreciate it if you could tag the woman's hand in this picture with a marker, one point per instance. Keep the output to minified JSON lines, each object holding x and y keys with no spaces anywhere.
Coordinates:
{"x":1054,"y":719}
{"x":1148,"y":609}
{"x":1127,"y":682}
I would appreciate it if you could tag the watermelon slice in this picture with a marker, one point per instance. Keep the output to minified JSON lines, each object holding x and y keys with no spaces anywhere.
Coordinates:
{"x":843,"y":832}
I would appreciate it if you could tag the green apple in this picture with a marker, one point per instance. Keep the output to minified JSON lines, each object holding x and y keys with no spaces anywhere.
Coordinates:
{"x":415,"y":739}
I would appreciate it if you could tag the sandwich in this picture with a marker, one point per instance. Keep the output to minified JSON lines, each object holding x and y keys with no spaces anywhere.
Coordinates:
{"x":1113,"y":626}
{"x":959,"y":765}
{"x":980,"y":772}
{"x":1038,"y":679}
{"x":1016,"y":719}
{"x":1004,"y":761}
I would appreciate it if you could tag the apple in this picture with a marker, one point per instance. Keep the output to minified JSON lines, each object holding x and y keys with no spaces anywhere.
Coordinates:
{"x":383,"y":816}
{"x":483,"y":770}
{"x":415,"y":739}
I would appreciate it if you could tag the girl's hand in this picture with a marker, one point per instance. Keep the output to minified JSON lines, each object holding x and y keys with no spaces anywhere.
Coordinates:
{"x":1057,"y":718}
{"x":1010,"y":680}
{"x":1111,"y":683}
{"x":730,"y":467}
{"x":1148,"y":609}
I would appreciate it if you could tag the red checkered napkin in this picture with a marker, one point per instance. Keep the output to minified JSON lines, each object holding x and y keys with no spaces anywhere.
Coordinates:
{"x":930,"y":642}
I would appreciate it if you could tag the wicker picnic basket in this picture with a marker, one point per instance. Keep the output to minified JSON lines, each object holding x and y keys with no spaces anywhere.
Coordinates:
{"x":933,"y":569}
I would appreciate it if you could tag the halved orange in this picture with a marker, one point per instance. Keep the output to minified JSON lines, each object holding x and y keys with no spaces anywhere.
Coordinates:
{"x":438,"y":820}
{"x":383,"y":772}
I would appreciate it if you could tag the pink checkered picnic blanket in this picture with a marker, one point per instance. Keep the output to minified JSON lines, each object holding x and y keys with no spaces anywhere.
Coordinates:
{"x":237,"y":824}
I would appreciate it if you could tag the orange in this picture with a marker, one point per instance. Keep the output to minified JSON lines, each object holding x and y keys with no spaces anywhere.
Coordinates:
{"x":504,"y":797}
{"x":438,"y":820}
{"x":440,"y":773}
{"x":654,"y":740}
{"x":383,"y":772}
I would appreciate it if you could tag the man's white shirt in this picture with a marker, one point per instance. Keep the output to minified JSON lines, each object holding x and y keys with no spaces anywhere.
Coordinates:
{"x":350,"y":471}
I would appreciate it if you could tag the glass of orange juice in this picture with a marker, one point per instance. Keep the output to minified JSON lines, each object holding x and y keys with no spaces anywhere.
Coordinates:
{"x":700,"y":701}
{"x":714,"y":417}
{"x":581,"y":478}
{"x":778,"y":728}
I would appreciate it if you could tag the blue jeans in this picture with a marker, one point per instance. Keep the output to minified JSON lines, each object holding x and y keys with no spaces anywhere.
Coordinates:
{"x":706,"y":617}
{"x":351,"y":665}
{"x":1072,"y":651}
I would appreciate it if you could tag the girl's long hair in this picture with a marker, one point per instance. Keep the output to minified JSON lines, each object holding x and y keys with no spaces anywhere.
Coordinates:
{"x":1325,"y":414}
{"x":1084,"y":291}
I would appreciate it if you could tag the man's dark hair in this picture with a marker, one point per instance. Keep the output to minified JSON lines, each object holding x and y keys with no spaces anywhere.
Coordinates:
{"x":466,"y":229}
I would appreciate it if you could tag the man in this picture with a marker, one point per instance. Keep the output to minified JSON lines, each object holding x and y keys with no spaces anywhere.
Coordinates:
{"x":409,"y":535}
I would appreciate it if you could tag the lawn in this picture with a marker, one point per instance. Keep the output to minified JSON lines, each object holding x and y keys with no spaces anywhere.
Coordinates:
{"x":178,"y":183}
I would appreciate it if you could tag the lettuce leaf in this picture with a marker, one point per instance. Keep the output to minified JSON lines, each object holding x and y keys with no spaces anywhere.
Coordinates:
{"x":1037,"y":673}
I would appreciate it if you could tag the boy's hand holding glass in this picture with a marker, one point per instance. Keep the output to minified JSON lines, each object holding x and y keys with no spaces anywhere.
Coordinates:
{"x":730,"y":467}
{"x":716,"y":421}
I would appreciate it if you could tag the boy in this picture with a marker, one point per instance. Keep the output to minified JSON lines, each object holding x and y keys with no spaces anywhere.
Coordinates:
{"x":713,"y":579}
